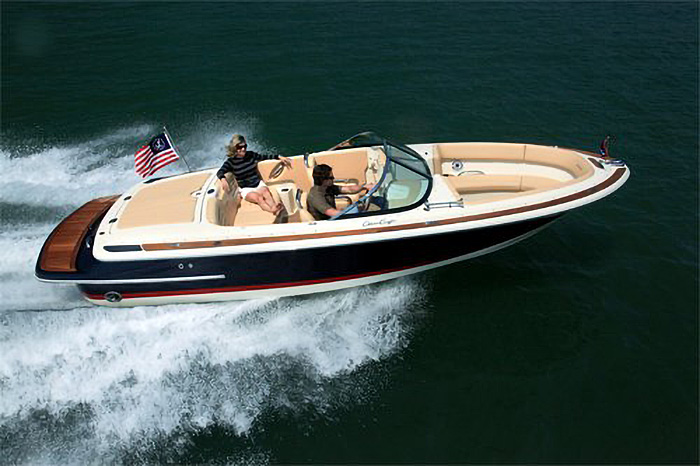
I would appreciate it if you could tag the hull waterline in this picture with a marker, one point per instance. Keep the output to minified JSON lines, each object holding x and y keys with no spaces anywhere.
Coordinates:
{"x":305,"y":271}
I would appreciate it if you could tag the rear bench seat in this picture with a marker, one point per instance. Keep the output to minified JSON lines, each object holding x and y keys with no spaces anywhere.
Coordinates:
{"x":229,"y":209}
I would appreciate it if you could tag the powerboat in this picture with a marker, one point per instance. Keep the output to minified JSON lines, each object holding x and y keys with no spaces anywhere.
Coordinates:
{"x":182,"y":238}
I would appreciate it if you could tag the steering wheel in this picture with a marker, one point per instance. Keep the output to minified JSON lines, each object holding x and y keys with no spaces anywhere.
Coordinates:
{"x":363,"y":203}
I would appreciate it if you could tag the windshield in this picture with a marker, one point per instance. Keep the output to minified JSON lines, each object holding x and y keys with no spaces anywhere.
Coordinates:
{"x":367,"y":139}
{"x":404,"y":183}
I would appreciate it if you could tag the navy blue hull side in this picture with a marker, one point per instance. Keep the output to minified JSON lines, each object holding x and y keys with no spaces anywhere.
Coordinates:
{"x":295,"y":267}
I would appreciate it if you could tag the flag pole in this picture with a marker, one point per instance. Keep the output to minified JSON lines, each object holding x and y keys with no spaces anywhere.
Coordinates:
{"x":189,"y":170}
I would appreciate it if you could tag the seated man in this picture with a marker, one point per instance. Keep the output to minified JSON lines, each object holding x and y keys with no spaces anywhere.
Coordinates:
{"x":321,"y":200}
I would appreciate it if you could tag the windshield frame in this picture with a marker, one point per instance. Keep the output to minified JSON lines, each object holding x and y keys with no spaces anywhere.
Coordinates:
{"x":374,"y":140}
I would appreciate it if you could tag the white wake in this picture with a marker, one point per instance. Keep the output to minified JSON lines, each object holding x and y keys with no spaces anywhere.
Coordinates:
{"x":151,"y":372}
{"x":78,"y":382}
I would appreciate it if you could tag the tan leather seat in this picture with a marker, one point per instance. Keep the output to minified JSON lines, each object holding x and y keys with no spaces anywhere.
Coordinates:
{"x":250,"y":214}
{"x":227,"y":204}
{"x":476,"y":151}
{"x":347,"y":164}
{"x":304,"y":214}
{"x":230,"y":209}
{"x":297,"y":174}
{"x":499,"y":183}
{"x":564,"y":159}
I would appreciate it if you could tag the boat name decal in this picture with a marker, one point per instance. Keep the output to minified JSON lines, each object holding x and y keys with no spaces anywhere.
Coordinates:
{"x":384,"y":221}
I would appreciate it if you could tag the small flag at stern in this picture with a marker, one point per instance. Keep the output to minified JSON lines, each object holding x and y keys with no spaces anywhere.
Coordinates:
{"x":158,"y":153}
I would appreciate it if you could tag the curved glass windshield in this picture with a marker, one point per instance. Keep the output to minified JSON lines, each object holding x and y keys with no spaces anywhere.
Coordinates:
{"x":405,"y":179}
{"x":367,"y":139}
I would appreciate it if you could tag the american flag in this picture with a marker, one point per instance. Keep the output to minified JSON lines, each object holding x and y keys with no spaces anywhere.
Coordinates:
{"x":158,"y":153}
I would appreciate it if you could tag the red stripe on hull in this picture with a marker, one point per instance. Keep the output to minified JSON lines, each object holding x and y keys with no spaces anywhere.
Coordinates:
{"x":157,"y":294}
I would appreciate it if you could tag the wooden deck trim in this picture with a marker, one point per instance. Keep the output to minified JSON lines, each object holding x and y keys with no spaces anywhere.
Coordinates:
{"x":60,"y":251}
{"x":469,"y":218}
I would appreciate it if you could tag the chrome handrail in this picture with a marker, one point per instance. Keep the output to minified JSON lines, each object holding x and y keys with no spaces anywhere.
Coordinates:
{"x":439,"y":205}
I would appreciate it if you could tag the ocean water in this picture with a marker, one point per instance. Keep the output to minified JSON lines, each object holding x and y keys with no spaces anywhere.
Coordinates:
{"x":579,"y":345}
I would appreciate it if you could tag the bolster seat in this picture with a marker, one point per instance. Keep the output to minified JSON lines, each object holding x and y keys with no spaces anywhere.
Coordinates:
{"x":222,"y":207}
{"x":349,"y":164}
{"x":297,"y":174}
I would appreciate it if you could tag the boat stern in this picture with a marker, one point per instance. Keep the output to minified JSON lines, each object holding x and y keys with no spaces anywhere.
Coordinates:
{"x":59,"y":257}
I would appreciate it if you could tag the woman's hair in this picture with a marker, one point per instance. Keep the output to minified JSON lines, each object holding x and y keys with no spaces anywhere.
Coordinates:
{"x":321,"y":173}
{"x":235,"y":140}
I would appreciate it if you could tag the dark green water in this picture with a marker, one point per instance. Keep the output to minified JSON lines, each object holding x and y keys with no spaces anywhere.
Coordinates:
{"x":579,"y":345}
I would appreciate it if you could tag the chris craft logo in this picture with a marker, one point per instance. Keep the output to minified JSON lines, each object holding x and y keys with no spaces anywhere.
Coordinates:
{"x":384,"y":221}
{"x":159,"y":144}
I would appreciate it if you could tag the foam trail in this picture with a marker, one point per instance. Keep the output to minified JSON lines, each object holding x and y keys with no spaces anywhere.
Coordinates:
{"x":46,"y":184}
{"x":19,"y":289}
{"x":71,"y":175}
{"x":91,"y":383}
{"x":122,"y":376}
